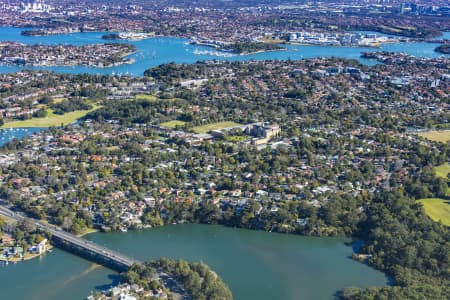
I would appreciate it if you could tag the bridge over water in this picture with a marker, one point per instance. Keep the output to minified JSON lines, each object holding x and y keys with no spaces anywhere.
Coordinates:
{"x":79,"y":246}
{"x":96,"y":253}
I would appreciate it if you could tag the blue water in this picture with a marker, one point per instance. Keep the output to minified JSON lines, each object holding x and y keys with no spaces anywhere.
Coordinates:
{"x":155,"y":51}
{"x":7,"y":135}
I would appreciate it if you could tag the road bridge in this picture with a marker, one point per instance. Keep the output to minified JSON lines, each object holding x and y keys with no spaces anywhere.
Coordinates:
{"x":96,"y":253}
{"x":77,"y":245}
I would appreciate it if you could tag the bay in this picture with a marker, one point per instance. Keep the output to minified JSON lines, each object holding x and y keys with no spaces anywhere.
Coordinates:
{"x":8,"y":134}
{"x":255,"y":264}
{"x":155,"y":51}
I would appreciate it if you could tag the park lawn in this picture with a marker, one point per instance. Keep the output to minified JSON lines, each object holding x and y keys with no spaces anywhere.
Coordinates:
{"x":437,"y":209}
{"x":172,"y":124}
{"x":235,"y":138}
{"x":55,"y":100}
{"x":442,"y":170}
{"x":214,"y":126}
{"x":112,"y":148}
{"x":436,"y":136}
{"x":145,"y":97}
{"x":151,"y":98}
{"x":393,"y":29}
{"x":58,"y":100}
{"x":51,"y":119}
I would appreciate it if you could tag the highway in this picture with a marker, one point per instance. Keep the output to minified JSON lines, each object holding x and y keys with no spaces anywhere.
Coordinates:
{"x":74,"y":240}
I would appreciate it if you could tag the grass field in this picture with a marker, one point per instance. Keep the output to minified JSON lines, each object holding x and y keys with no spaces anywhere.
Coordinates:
{"x":58,"y":100}
{"x":214,"y":126}
{"x":437,"y":136}
{"x":145,"y":97}
{"x":437,"y":209}
{"x":51,"y":119}
{"x":172,"y":124}
{"x":151,"y":98}
{"x":392,"y":29}
{"x":442,"y":170}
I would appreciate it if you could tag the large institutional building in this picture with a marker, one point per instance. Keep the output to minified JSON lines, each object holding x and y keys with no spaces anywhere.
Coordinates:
{"x":37,"y":6}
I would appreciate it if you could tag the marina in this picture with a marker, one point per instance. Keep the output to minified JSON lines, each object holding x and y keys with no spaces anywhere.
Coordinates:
{"x":7,"y":135}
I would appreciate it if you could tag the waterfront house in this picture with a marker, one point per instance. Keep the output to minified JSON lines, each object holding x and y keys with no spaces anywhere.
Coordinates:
{"x":39,"y":248}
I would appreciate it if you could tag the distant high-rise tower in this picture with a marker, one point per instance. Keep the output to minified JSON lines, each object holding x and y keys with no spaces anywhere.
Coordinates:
{"x":402,"y":8}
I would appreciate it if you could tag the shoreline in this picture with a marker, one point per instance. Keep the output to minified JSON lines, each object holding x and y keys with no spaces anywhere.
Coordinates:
{"x":375,"y":45}
{"x":49,"y":249}
{"x":233,"y":52}
{"x":87,"y":232}
{"x":108,"y":31}
{"x":110,"y":54}
{"x":261,"y":51}
{"x":132,"y":38}
{"x":349,"y":241}
{"x":26,"y":257}
{"x":125,"y":61}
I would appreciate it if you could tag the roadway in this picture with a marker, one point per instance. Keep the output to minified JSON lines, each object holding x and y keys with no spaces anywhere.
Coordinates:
{"x":178,"y":291}
{"x":74,"y":240}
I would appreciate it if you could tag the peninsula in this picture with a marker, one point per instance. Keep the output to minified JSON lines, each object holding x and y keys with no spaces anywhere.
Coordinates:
{"x":94,"y":55}
{"x":128,"y":36}
{"x":243,"y":48}
{"x":444,"y":49}
{"x":331,"y":38}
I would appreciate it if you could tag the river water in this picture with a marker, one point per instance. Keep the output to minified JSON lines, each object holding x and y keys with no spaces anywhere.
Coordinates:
{"x":155,"y":51}
{"x":256,"y":265}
